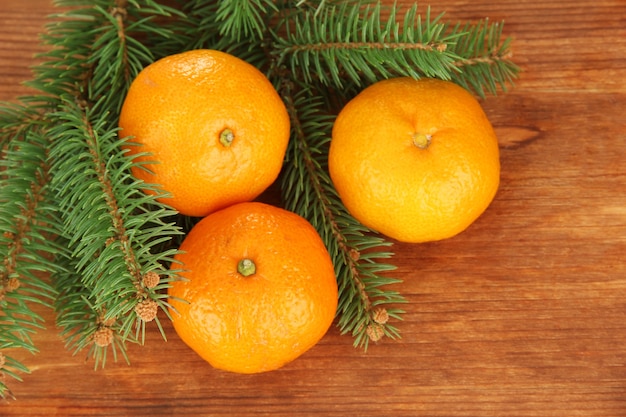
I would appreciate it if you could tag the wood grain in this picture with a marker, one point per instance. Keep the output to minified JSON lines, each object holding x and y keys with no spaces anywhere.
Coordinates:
{"x":524,"y":314}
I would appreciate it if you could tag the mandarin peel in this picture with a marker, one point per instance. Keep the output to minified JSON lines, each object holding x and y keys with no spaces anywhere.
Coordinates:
{"x":392,"y":187}
{"x":187,"y":108}
{"x":232,"y":318}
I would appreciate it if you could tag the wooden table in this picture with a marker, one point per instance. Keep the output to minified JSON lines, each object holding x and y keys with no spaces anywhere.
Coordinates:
{"x":524,"y":314}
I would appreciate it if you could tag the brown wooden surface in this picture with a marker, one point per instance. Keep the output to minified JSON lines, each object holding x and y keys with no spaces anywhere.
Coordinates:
{"x":524,"y":314}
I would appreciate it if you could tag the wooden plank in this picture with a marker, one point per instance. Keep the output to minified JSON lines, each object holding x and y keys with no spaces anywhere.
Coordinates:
{"x":524,"y":314}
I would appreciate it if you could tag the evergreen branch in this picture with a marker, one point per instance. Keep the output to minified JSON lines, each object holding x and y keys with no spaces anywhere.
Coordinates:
{"x":349,"y":41}
{"x":355,"y":251}
{"x":355,"y":42}
{"x":122,"y":47}
{"x":64,"y":66}
{"x":98,"y":47}
{"x":82,"y":326}
{"x":485,"y":62}
{"x":243,"y":19}
{"x":110,"y":226}
{"x":27,"y":242}
{"x":200,"y":28}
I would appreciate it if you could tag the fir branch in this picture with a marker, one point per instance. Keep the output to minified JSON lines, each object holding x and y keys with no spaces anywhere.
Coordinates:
{"x":82,"y":326}
{"x":243,"y":19}
{"x":355,"y":42}
{"x":199,"y":25}
{"x":122,"y":48}
{"x":98,"y":47}
{"x":27,"y":243}
{"x":356,"y":252}
{"x":201,"y":28}
{"x":485,"y":59}
{"x":110,"y":226}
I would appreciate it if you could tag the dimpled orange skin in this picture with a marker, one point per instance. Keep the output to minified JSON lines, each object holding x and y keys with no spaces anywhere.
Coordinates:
{"x":399,"y":189}
{"x":177,"y":107}
{"x":263,"y":321}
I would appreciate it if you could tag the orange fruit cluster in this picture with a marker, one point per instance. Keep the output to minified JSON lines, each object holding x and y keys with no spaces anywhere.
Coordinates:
{"x":416,"y":160}
{"x":258,"y":286}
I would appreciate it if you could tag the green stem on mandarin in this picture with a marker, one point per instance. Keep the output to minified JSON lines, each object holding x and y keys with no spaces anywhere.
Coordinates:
{"x":246,"y":267}
{"x":226,"y":137}
{"x":421,"y":140}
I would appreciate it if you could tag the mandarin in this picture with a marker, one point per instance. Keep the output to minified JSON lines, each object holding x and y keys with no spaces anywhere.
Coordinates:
{"x":259,"y":288}
{"x":213,"y":130}
{"x":416,"y":160}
